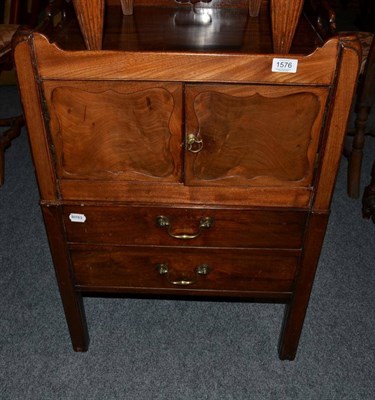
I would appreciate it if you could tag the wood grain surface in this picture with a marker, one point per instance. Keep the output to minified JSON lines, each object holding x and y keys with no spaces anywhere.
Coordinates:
{"x":116,"y":132}
{"x":111,"y":134}
{"x":315,"y":69}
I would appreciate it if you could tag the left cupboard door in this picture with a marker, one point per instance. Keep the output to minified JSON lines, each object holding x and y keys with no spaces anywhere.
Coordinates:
{"x":115,"y":131}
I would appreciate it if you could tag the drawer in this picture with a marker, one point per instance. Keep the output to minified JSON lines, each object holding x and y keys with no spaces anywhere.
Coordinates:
{"x":161,"y":226}
{"x":193,"y":269}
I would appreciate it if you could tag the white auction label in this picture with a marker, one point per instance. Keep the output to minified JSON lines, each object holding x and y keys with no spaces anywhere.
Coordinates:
{"x":77,"y":217}
{"x":284,"y":65}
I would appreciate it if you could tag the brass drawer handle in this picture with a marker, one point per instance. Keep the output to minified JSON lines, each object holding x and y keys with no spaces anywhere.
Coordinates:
{"x":201,"y":270}
{"x":194,"y":144}
{"x":204,"y":223}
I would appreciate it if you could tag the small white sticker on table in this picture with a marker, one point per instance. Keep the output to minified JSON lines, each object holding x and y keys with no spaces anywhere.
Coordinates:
{"x":286,"y":65}
{"x":77,"y":217}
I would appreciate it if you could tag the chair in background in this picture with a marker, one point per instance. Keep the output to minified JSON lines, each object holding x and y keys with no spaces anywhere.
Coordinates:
{"x":322,"y":16}
{"x":25,"y":13}
{"x":14,"y":123}
{"x":365,"y":99}
{"x":368,"y":200}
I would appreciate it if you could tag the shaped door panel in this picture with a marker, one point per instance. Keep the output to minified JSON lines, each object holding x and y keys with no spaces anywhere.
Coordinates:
{"x":252,"y":135}
{"x":116,"y":131}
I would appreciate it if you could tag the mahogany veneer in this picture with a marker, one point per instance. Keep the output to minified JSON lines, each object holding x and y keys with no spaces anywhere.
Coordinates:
{"x":194,"y":172}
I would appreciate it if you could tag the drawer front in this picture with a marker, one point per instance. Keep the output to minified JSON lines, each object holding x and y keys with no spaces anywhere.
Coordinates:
{"x":184,"y":227}
{"x":184,"y":268}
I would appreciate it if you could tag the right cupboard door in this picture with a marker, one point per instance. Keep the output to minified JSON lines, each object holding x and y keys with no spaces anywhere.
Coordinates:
{"x":249,"y":135}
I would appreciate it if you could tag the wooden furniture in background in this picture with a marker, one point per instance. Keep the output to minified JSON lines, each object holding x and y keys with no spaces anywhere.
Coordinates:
{"x":12,"y":123}
{"x":323,"y":17}
{"x":364,"y":102}
{"x":368,"y":200}
{"x":19,"y":13}
{"x":176,"y":161}
{"x":285,"y":15}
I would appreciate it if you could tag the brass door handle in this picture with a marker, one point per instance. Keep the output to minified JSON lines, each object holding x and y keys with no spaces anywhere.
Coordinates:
{"x":201,"y":270}
{"x":194,"y":143}
{"x":204,"y":223}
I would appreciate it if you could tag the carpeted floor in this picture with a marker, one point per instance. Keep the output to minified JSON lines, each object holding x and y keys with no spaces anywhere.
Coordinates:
{"x":165,"y":349}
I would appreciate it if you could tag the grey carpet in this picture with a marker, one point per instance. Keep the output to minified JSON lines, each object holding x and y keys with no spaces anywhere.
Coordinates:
{"x":166,"y":349}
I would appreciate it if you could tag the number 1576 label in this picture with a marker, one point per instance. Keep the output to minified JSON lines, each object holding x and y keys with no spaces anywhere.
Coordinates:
{"x":284,"y":65}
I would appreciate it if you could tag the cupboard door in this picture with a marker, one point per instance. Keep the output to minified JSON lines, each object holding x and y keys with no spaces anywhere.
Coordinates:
{"x":115,"y":131}
{"x":252,"y":135}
